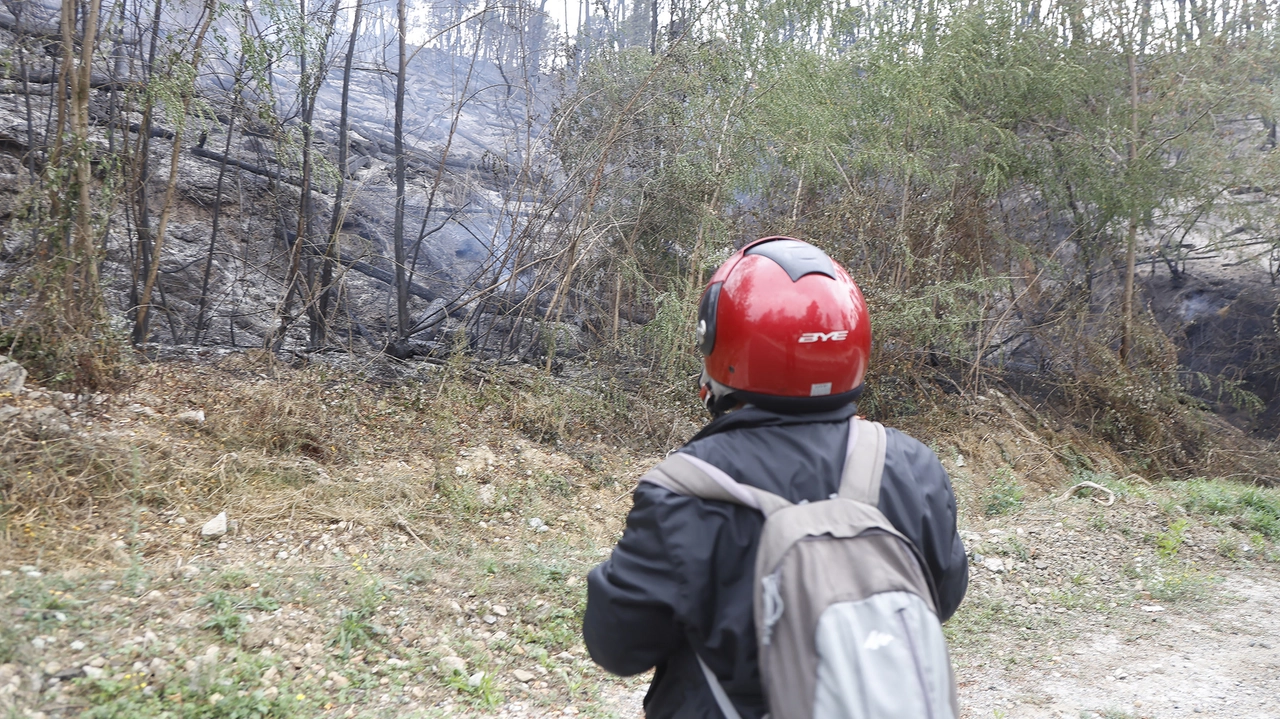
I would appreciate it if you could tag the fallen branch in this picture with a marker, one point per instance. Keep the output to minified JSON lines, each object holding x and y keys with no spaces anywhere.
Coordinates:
{"x":1110,"y":500}
{"x":208,"y":154}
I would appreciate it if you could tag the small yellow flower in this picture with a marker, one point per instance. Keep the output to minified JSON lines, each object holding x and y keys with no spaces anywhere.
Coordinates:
{"x":301,"y":697}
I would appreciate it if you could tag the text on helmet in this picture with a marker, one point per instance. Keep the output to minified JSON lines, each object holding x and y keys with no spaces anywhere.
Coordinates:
{"x":837,"y":336}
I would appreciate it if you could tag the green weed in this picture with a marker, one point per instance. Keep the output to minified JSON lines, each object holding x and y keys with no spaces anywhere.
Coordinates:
{"x":232,"y":579}
{"x":230,"y":692}
{"x":479,"y":687}
{"x":354,"y":629}
{"x":10,"y":644}
{"x":1179,"y":585}
{"x":1170,"y":541}
{"x":1003,"y":494}
{"x":973,"y":622}
{"x":1228,"y":547}
{"x":1017,"y":549}
{"x":226,"y":608}
{"x":1247,"y":508}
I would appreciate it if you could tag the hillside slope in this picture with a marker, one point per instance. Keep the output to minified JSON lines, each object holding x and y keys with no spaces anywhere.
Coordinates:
{"x":414,"y":545}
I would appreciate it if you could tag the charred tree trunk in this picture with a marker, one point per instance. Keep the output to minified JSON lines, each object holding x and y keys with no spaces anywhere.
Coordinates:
{"x":213,"y":233}
{"x":402,"y":285}
{"x":141,"y":178}
{"x":335,"y":222}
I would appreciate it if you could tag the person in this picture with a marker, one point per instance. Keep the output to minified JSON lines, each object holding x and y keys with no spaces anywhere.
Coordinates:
{"x":785,"y":338}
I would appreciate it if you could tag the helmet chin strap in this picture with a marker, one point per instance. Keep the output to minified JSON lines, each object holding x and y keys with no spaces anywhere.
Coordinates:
{"x":717,"y":398}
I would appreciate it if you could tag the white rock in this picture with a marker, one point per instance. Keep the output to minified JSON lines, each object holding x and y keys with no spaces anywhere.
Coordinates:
{"x":475,"y":679}
{"x":453,"y":664}
{"x":1152,"y":608}
{"x":194,"y":417}
{"x":490,"y":619}
{"x":77,"y":645}
{"x":993,"y":564}
{"x":12,"y":376}
{"x":215,"y":527}
{"x":180,"y":521}
{"x":93,"y":672}
{"x":522,"y":675}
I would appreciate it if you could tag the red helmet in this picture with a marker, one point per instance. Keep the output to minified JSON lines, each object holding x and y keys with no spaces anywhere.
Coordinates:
{"x":782,"y":326}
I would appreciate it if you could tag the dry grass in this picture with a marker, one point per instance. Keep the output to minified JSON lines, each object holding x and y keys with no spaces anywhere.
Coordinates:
{"x":317,"y":443}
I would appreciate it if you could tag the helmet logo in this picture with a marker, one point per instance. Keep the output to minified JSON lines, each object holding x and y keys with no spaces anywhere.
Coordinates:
{"x":837,"y":336}
{"x":702,"y":330}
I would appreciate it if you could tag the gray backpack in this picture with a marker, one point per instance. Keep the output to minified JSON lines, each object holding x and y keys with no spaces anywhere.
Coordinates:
{"x":845,"y":618}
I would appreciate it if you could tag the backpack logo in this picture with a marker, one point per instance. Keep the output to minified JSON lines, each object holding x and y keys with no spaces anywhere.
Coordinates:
{"x":837,"y":336}
{"x":876,"y":640}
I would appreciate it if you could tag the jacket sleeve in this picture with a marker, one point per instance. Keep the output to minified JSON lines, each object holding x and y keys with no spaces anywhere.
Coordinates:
{"x":630,"y":625}
{"x":916,"y":496}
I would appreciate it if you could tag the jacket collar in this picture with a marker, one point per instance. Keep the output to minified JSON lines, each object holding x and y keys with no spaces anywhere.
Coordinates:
{"x":752,"y":416}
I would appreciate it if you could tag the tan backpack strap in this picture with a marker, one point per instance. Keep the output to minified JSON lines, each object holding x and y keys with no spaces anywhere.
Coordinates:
{"x":693,"y":477}
{"x":863,"y":462}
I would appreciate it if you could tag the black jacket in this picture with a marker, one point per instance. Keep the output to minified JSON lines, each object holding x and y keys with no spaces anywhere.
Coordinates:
{"x":681,"y":576}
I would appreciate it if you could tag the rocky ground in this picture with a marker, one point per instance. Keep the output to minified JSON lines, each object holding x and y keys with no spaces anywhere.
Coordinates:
{"x":418,"y":548}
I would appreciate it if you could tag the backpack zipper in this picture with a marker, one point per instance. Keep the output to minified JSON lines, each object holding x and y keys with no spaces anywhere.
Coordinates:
{"x":915,"y":659}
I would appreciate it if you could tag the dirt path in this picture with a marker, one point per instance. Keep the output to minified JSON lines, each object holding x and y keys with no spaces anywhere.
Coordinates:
{"x":1192,"y":662}
{"x":1181,"y":662}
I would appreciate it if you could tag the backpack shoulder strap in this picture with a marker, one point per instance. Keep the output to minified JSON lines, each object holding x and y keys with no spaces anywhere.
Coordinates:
{"x":687,"y":475}
{"x":863,"y":462}
{"x":717,"y":691}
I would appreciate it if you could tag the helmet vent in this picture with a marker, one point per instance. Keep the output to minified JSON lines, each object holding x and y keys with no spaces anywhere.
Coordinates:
{"x":796,"y":258}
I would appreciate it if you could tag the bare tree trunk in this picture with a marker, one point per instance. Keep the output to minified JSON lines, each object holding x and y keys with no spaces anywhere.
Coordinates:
{"x":140,"y":324}
{"x":335,"y":222}
{"x":26,"y":90}
{"x":305,"y":223}
{"x":402,"y":285}
{"x":1131,"y":250}
{"x":141,"y":179}
{"x":653,"y":28}
{"x":213,"y":233}
{"x":83,"y":284}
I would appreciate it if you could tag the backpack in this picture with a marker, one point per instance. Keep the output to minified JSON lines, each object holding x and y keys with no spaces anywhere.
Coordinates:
{"x":845,"y":615}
